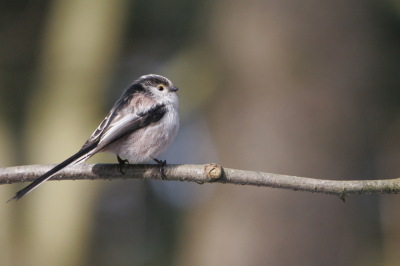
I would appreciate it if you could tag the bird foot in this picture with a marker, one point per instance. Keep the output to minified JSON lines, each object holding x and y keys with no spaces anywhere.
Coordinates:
{"x":161,"y":164}
{"x":122,"y":163}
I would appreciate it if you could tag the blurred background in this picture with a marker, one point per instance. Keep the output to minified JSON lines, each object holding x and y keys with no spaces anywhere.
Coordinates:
{"x":306,"y":88}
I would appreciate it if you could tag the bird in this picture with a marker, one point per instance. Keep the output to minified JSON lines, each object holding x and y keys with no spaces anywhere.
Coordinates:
{"x":141,"y":125}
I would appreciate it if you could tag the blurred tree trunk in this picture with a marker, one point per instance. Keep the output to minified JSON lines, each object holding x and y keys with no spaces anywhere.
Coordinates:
{"x":7,"y":158}
{"x":79,"y":46}
{"x":389,"y":167}
{"x":297,"y":98}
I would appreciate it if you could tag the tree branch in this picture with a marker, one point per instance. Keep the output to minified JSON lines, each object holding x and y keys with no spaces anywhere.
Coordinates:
{"x":202,"y":174}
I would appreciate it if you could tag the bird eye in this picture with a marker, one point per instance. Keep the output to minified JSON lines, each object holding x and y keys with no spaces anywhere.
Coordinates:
{"x":160,"y":88}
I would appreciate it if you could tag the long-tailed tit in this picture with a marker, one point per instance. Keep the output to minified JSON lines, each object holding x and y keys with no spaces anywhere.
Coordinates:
{"x":140,"y":126}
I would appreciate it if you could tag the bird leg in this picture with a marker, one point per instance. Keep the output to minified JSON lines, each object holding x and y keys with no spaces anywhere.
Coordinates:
{"x":121,"y":163}
{"x":161,"y":164}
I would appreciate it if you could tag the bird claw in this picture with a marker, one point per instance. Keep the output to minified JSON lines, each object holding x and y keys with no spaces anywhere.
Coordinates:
{"x":122,"y":163}
{"x":161,"y":164}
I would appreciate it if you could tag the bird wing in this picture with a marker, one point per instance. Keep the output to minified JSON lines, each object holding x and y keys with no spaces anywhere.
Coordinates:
{"x":103,"y":125}
{"x":128,"y":123}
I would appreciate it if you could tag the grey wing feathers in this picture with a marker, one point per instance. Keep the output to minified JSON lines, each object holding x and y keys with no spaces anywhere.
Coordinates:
{"x":115,"y":126}
{"x":124,"y":125}
{"x":96,"y":134}
{"x":121,"y":103}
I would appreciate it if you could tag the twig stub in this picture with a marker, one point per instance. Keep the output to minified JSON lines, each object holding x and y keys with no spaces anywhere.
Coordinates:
{"x":213,"y":171}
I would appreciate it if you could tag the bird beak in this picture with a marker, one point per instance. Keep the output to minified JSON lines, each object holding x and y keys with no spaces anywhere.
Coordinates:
{"x":174,"y":89}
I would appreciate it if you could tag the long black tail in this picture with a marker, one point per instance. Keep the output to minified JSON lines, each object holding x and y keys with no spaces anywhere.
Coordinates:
{"x":77,"y":158}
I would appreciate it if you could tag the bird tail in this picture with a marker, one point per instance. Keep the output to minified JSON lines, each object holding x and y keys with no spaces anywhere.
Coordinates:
{"x":77,"y":158}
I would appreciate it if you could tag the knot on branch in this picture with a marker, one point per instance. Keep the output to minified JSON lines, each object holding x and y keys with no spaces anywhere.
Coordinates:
{"x":213,"y":171}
